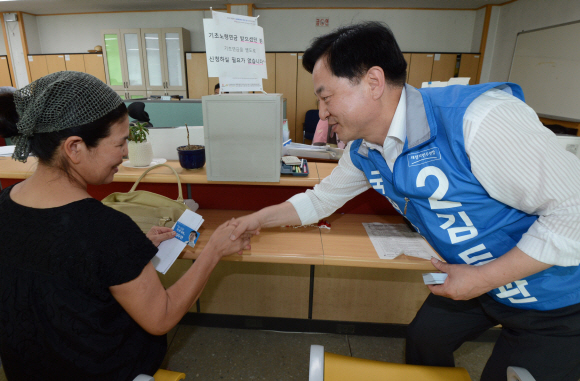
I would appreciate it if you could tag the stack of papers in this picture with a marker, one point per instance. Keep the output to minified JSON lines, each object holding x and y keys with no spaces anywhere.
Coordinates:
{"x":434,"y":278}
{"x":305,"y":150}
{"x":392,"y":240}
{"x":291,"y":160}
{"x":186,"y":227}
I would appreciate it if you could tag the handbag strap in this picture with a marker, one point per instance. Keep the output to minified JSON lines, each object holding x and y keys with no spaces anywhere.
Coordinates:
{"x":180,"y":194}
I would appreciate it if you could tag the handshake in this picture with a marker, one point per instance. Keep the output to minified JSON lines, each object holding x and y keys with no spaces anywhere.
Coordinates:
{"x":233,"y":236}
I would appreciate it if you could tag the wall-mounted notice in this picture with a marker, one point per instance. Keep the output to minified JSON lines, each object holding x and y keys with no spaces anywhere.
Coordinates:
{"x":234,"y":49}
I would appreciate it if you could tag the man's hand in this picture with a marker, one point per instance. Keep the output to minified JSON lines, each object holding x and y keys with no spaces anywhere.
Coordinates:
{"x":158,"y":234}
{"x":463,"y":281}
{"x":467,"y":282}
{"x":271,"y":216}
{"x":246,"y":224}
{"x":223,"y":246}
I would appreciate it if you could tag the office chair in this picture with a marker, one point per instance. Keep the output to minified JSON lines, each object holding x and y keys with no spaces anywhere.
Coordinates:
{"x":331,"y":367}
{"x":161,"y":375}
{"x":309,"y":126}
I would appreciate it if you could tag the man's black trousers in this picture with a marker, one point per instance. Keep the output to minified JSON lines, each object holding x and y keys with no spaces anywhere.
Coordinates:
{"x":546,"y":343}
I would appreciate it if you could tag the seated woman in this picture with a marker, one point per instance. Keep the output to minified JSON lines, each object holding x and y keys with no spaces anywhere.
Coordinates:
{"x":137,"y":111}
{"x":80,"y":297}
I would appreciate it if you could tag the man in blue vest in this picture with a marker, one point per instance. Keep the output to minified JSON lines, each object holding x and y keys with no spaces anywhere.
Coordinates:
{"x":479,"y":177}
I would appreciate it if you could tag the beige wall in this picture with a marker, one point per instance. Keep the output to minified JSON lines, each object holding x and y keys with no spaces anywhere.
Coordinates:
{"x":416,"y":30}
{"x":32,"y":37}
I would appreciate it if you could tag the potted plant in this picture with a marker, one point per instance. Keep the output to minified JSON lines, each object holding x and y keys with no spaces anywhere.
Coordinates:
{"x":140,"y":150}
{"x":191,"y":156}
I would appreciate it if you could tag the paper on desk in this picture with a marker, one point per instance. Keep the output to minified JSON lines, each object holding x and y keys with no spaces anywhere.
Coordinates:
{"x":169,"y":250}
{"x":7,"y":150}
{"x":392,"y":240}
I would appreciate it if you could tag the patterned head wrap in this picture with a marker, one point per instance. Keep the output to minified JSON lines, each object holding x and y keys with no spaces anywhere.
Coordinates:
{"x":59,"y":101}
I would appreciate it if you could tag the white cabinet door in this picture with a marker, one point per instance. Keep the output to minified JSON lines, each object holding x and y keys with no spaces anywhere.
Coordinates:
{"x":112,"y":51}
{"x":132,"y":52}
{"x":174,"y":55}
{"x":154,"y":59}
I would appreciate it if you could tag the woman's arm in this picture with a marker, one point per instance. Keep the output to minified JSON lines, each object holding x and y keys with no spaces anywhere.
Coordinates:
{"x":158,"y":310}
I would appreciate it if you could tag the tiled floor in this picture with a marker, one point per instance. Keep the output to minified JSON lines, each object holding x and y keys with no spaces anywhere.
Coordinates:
{"x":235,"y":354}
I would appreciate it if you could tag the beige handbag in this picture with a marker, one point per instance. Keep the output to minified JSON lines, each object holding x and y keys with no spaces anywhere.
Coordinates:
{"x":148,"y":209}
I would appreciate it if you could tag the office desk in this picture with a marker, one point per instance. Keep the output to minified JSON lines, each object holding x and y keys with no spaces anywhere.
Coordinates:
{"x":346,"y":243}
{"x":276,"y":245}
{"x":289,"y":272}
{"x":12,"y":169}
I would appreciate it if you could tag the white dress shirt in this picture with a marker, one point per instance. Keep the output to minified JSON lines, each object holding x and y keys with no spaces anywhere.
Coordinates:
{"x":515,"y":158}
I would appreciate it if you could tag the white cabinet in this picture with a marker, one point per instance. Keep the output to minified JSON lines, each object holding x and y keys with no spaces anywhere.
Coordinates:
{"x":164,"y":59}
{"x":124,"y":59}
{"x":146,"y":61}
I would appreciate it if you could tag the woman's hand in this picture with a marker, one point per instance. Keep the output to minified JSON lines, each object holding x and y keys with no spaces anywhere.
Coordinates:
{"x":221,"y":243}
{"x":158,"y":234}
{"x":249,"y":224}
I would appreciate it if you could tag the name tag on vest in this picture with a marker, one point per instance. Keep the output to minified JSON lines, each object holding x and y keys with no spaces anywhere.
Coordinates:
{"x":420,"y":157}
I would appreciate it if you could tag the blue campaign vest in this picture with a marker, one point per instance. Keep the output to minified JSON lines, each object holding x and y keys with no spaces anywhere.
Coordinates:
{"x":433,"y":187}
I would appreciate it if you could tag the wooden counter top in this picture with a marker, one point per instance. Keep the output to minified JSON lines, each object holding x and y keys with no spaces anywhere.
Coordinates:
{"x":345,"y":244}
{"x":275,"y":245}
{"x":325,"y":169}
{"x":348,"y":244}
{"x":12,"y":169}
{"x":199,"y":176}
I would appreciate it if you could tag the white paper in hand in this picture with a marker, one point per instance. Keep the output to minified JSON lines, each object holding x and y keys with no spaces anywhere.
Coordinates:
{"x":434,"y":278}
{"x":169,"y":250}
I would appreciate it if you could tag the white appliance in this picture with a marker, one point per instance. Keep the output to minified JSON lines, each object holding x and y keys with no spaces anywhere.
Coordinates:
{"x":243,"y":137}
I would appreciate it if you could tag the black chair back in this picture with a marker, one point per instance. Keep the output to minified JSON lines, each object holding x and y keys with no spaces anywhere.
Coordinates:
{"x":310,"y":121}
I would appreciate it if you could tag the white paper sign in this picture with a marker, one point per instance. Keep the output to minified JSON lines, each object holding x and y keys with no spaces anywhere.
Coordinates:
{"x":230,"y":17}
{"x":234,"y":50}
{"x":240,"y":84}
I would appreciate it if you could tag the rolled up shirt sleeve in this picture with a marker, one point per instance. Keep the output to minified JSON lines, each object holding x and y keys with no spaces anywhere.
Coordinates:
{"x":344,"y":183}
{"x":520,"y":163}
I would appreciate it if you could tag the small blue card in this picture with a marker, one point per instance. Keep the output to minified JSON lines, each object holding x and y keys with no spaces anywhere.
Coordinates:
{"x":185,"y":234}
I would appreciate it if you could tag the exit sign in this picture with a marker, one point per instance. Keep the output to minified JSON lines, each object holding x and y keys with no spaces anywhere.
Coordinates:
{"x":322,"y":21}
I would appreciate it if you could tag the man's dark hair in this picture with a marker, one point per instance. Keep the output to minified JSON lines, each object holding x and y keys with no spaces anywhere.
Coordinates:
{"x":350,"y":51}
{"x":217,"y":86}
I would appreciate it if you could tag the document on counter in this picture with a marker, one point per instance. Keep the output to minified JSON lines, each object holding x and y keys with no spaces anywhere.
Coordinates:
{"x":392,"y":240}
{"x":7,"y":151}
{"x":305,"y":150}
{"x":186,"y":229}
